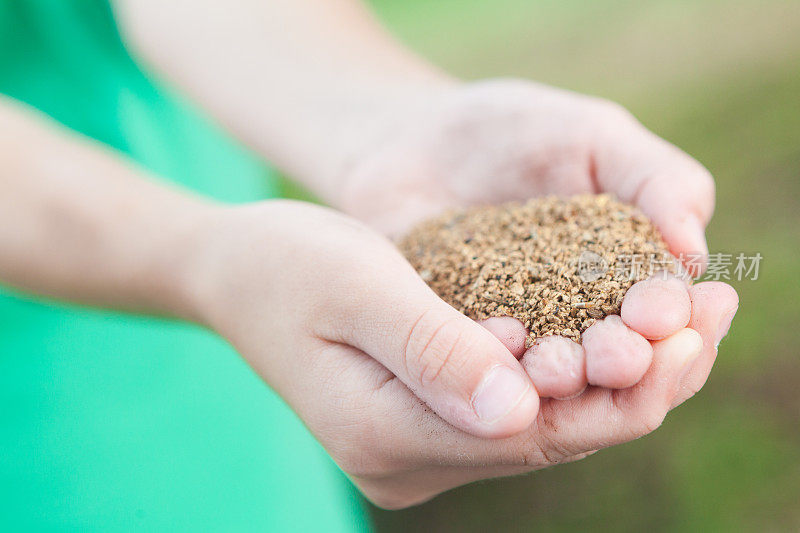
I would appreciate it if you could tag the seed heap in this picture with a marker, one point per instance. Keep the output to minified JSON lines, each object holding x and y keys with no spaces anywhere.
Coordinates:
{"x":557,"y":264}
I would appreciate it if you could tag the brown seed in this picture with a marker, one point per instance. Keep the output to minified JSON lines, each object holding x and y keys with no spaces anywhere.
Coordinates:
{"x":594,"y":312}
{"x":540,"y":261}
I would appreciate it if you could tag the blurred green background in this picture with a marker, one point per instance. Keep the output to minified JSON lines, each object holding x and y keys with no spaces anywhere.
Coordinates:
{"x":721,"y":79}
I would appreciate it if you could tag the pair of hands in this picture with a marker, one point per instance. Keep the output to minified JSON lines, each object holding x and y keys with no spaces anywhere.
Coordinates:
{"x":410,"y":397}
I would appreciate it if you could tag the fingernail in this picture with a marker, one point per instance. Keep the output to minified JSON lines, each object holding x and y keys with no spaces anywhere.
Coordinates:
{"x":500,"y":391}
{"x":725,"y":324}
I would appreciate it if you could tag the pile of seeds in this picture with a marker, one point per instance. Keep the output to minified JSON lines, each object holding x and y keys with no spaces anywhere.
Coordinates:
{"x":556,"y":264}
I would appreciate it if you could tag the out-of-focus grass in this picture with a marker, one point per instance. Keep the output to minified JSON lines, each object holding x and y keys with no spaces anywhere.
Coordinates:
{"x":721,"y":79}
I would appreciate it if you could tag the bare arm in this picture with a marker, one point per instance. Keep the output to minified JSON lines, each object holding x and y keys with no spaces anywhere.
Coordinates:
{"x":305,"y":82}
{"x":77,"y":222}
{"x":80,"y":223}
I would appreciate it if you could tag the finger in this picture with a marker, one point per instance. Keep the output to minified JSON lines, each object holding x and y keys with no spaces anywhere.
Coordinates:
{"x":508,"y":330}
{"x":557,"y":367}
{"x":657,"y":307}
{"x":616,"y":356}
{"x":596,"y":419}
{"x":453,"y":364}
{"x":714,"y":304}
{"x":600,"y":418}
{"x":669,"y":186}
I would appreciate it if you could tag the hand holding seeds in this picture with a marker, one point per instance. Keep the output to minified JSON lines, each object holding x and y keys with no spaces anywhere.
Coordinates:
{"x":499,"y":141}
{"x":409,"y":395}
{"x":527,"y":262}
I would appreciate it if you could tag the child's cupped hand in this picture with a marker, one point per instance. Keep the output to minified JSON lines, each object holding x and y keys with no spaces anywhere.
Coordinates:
{"x":409,"y":396}
{"x":495,"y":141}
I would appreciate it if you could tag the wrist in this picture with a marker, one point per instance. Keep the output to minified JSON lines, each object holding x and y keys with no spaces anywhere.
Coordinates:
{"x":183,"y":288}
{"x":229,"y":252}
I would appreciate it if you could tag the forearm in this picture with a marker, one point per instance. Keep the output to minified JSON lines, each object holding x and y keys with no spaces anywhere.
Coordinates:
{"x":291,"y":78}
{"x":78,"y":223}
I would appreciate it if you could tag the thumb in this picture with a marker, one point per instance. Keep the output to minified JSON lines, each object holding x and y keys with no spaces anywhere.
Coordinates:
{"x":458,"y":368}
{"x":668,"y":185}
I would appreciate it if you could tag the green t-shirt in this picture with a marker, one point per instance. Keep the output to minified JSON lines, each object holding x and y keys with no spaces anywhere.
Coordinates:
{"x":116,"y":422}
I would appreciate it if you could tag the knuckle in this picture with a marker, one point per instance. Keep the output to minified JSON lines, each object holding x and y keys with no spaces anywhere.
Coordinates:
{"x":544,"y":444}
{"x":535,"y":454}
{"x":552,"y":451}
{"x":533,"y":451}
{"x":431,"y":345}
{"x":531,"y":456}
